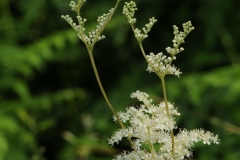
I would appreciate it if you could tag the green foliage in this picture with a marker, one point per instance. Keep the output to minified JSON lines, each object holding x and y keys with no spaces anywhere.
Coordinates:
{"x":47,"y":86}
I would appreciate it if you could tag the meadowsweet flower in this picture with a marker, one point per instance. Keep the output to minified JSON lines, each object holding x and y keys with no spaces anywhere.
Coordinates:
{"x":161,"y":64}
{"x":150,"y":125}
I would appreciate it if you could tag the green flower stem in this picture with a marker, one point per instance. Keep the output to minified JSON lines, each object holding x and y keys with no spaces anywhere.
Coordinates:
{"x":151,"y":145}
{"x":143,"y":52}
{"x":103,"y":91}
{"x":164,"y":94}
{"x":101,"y":87}
{"x":166,"y":104}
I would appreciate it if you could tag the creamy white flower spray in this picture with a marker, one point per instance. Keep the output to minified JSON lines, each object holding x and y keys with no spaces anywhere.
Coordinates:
{"x":151,"y":124}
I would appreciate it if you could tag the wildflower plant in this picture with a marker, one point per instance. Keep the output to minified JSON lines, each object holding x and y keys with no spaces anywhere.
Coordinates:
{"x":149,"y":124}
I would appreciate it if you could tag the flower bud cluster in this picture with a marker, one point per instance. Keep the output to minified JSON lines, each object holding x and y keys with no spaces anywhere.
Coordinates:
{"x":150,"y":125}
{"x":179,"y":38}
{"x":94,"y":35}
{"x":76,"y":7}
{"x":161,"y":64}
{"x":129,"y":11}
{"x":78,"y":28}
{"x":102,"y":19}
{"x":187,"y":27}
{"x":140,"y":36}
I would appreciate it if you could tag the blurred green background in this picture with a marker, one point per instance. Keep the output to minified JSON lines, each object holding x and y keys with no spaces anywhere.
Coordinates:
{"x":51,"y":106}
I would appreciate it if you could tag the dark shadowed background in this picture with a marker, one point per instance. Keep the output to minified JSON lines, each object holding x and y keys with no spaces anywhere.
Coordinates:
{"x":51,"y":106}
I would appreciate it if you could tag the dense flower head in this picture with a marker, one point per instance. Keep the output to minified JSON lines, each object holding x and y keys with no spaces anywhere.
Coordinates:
{"x":149,"y":124}
{"x":161,"y":64}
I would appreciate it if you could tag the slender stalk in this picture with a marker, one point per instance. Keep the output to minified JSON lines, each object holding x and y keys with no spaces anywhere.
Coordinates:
{"x":103,"y":91}
{"x":167,"y":109}
{"x":151,"y":145}
{"x":165,"y":95}
{"x":143,"y":52}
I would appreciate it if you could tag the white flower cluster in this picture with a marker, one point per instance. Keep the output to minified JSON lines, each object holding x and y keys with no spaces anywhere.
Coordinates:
{"x":179,"y":38}
{"x":94,"y":35}
{"x":129,"y":10}
{"x":161,"y":64}
{"x":150,"y":125}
